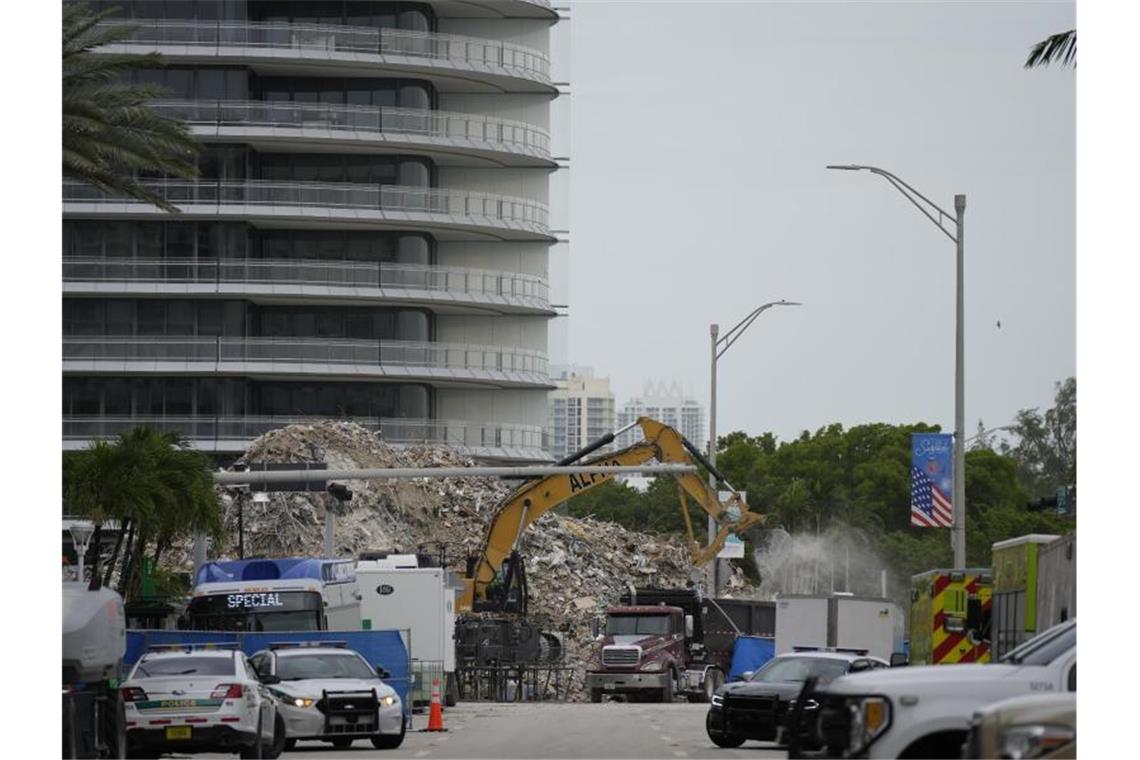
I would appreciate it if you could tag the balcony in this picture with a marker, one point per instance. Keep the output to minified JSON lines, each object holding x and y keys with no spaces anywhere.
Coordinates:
{"x":234,"y":434}
{"x":454,"y":138}
{"x":447,"y":213}
{"x":331,"y":358}
{"x":311,"y":279}
{"x":457,"y":63}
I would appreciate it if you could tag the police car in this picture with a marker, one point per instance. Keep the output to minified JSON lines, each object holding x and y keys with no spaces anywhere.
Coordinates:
{"x":199,"y":698}
{"x":329,"y":693}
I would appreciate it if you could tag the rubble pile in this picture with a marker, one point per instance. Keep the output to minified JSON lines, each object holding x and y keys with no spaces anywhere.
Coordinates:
{"x":576,"y":567}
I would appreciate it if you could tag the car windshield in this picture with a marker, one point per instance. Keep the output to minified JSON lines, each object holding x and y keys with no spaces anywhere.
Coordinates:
{"x":1043,"y":649}
{"x":306,"y":666}
{"x":799,"y":669}
{"x":648,"y":625}
{"x":190,"y":665}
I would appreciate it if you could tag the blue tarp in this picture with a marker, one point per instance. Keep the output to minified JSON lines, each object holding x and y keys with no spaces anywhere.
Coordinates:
{"x":750,"y":652}
{"x":384,"y":648}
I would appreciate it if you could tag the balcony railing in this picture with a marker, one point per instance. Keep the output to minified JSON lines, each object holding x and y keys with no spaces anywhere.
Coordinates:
{"x":416,"y":358}
{"x":481,"y":209}
{"x":307,"y":39}
{"x":229,"y":274}
{"x":393,"y":430}
{"x":387,"y":123}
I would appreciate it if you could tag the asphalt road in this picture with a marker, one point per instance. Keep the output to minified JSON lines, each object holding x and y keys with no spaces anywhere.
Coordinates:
{"x":549,"y":730}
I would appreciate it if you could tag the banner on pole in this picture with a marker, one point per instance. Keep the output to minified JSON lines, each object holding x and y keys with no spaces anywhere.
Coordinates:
{"x":932,"y":480}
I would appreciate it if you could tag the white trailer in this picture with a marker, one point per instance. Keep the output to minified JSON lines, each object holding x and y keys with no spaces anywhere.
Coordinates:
{"x":420,"y":602}
{"x":838,"y":620}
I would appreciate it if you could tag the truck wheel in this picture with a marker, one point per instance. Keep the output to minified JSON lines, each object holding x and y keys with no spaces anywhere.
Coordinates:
{"x":714,"y":679}
{"x":595,"y":695}
{"x":451,"y":690}
{"x":667,"y":690}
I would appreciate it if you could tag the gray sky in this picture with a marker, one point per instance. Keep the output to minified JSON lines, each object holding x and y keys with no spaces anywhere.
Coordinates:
{"x":698,"y":191}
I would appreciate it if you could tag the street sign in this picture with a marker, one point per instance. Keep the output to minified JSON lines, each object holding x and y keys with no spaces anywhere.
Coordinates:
{"x":733,"y":545}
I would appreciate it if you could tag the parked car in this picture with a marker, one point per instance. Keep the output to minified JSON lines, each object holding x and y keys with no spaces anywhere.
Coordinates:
{"x":925,"y":711}
{"x":330,"y":693}
{"x":758,"y":706}
{"x":1037,"y":726}
{"x":188,"y":698}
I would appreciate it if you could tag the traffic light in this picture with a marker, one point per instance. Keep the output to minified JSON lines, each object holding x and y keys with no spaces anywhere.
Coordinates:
{"x":1063,"y":502}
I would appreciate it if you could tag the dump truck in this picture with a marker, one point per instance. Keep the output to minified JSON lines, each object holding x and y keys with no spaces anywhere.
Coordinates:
{"x":839,"y":620}
{"x":94,"y":642}
{"x":660,"y":643}
{"x":1016,"y":583}
{"x":950,"y":616}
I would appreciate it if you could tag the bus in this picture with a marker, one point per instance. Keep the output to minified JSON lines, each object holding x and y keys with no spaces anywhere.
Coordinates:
{"x":290,"y":594}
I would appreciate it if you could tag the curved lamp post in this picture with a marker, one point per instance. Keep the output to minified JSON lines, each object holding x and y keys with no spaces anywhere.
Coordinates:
{"x":951,"y":226}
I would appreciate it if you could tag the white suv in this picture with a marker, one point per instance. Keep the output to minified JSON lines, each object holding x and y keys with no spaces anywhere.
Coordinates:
{"x":925,"y":711}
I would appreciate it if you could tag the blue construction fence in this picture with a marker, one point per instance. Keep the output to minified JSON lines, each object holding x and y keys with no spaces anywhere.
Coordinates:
{"x":749,"y":653}
{"x":383,"y":648}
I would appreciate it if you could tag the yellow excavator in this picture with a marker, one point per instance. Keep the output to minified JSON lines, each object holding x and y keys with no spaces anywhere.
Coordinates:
{"x":495,"y":584}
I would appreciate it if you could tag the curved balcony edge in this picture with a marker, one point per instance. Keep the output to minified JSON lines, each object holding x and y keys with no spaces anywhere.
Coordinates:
{"x":334,"y":280}
{"x":493,"y":63}
{"x":327,"y":203}
{"x":440,"y":363}
{"x":233,"y":434}
{"x":500,"y":141}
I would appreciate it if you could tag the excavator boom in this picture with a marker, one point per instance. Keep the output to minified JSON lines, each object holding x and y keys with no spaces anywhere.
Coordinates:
{"x":534,"y":499}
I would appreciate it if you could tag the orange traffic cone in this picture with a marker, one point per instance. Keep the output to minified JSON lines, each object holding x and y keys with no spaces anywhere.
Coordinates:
{"x":435,"y":717}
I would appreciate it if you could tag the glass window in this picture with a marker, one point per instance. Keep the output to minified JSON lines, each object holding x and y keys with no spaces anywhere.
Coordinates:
{"x":211,"y":84}
{"x":207,"y":395}
{"x":1045,"y":647}
{"x":237,"y":85}
{"x":180,"y":240}
{"x":149,"y":240}
{"x":799,"y":669}
{"x":87,"y":238}
{"x":180,"y":318}
{"x":120,"y":317}
{"x":151,"y":317}
{"x":180,"y":84}
{"x":209,"y":318}
{"x":179,"y":396}
{"x":118,"y":239}
{"x":83,"y":316}
{"x":158,"y":666}
{"x":302,"y":667}
{"x":619,"y":625}
{"x":117,"y":397}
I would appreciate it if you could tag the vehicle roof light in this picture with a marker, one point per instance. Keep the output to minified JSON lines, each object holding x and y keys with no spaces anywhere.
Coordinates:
{"x":300,"y":644}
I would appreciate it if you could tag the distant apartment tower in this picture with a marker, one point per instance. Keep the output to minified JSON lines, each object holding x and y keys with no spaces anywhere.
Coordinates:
{"x":667,"y":404}
{"x":581,"y":410}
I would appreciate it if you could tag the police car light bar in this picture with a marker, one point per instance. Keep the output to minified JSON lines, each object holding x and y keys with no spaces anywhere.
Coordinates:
{"x":189,"y":646}
{"x":297,"y":644}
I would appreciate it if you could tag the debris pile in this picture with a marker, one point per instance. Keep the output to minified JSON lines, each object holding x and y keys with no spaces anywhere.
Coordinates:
{"x":576,"y":567}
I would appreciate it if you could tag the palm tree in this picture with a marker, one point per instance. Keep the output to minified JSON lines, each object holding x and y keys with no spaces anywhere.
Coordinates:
{"x":109,"y":133}
{"x":154,"y":488}
{"x":1057,"y":47}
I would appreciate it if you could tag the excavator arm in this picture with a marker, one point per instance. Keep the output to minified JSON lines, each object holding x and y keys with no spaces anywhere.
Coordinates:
{"x":534,"y":499}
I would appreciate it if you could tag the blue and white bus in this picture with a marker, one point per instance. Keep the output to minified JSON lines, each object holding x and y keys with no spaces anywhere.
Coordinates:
{"x":290,"y":594}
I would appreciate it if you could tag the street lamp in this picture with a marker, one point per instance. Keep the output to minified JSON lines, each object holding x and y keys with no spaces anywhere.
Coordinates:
{"x":719,"y":346}
{"x":928,"y":209}
{"x":81,"y":533}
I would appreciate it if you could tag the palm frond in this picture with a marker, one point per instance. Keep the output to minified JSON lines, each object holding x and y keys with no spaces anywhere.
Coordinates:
{"x":1057,"y":47}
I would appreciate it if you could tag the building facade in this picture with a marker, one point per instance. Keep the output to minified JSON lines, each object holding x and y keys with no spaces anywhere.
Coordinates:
{"x":581,"y":411}
{"x":368,"y":238}
{"x":668,"y":404}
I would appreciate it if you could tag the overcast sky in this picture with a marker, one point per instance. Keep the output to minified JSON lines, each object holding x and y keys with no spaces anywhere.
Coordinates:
{"x":698,"y":191}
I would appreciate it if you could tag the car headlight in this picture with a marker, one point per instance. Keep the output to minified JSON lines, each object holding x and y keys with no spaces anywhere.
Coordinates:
{"x":387,"y":701}
{"x":652,"y":665}
{"x":1033,"y":740}
{"x":870,"y":717}
{"x":717,"y":700}
{"x":299,"y":701}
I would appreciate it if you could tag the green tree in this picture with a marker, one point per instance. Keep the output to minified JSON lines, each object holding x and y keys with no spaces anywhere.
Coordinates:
{"x":1046,"y":446}
{"x":109,"y":132}
{"x":1056,"y":47}
{"x":155,"y":489}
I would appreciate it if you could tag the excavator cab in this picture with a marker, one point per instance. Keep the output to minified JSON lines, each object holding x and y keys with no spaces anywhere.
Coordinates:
{"x":508,"y":592}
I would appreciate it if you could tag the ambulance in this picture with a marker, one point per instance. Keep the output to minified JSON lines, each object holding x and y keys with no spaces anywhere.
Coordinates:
{"x":950,"y":612}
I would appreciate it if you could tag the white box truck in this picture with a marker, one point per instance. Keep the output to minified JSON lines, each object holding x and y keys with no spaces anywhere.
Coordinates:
{"x":839,"y":620}
{"x":399,"y":595}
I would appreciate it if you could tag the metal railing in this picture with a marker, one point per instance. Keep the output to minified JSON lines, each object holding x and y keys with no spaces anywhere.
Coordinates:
{"x":477,"y":208}
{"x":327,"y":351}
{"x":503,"y":134}
{"x":470,"y":436}
{"x":527,"y":290}
{"x":307,"y":39}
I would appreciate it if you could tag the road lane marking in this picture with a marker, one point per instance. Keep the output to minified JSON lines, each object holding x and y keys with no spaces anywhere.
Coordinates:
{"x":666,"y":738}
{"x":423,"y":753}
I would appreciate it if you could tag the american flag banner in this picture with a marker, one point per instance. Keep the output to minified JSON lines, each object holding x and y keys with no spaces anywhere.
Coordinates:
{"x":932,"y":480}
